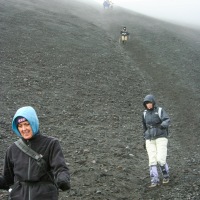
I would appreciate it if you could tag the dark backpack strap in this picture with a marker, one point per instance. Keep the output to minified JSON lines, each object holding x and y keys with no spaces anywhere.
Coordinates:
{"x":27,"y":150}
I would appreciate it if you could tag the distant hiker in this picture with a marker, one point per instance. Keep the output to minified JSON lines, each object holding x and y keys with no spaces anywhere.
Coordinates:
{"x":33,"y":178}
{"x":124,"y":34}
{"x":106,"y":4}
{"x":111,"y":4}
{"x":155,"y":123}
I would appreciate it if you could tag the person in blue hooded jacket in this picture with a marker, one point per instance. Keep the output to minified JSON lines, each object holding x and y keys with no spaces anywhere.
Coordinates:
{"x":155,"y":123}
{"x":22,"y":176}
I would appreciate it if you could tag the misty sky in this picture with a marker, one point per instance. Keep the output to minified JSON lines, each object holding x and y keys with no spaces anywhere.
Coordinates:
{"x":185,"y":12}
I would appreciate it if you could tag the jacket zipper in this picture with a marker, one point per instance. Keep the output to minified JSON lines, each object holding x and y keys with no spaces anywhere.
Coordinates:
{"x":29,"y":166}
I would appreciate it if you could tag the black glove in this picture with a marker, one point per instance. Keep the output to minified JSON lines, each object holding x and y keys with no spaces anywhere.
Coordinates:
{"x":161,"y":127}
{"x":63,"y":181}
{"x":64,"y":186}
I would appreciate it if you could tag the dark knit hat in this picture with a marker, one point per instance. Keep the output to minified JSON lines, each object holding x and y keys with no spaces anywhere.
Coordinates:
{"x":20,"y":120}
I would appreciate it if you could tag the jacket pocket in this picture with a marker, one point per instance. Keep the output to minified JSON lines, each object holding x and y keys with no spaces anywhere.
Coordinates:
{"x":158,"y":132}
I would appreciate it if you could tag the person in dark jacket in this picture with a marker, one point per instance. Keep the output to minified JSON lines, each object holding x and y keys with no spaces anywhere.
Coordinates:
{"x":155,"y":123}
{"x":22,"y":176}
{"x":124,"y":34}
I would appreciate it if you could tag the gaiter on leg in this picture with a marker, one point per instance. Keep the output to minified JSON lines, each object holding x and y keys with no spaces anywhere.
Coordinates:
{"x":154,"y":174}
{"x":165,"y":170}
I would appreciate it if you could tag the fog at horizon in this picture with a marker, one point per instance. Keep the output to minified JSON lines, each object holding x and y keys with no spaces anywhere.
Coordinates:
{"x":183,"y":12}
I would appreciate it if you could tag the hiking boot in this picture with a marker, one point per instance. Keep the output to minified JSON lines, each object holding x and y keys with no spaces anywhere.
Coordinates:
{"x":153,"y":185}
{"x":165,"y":180}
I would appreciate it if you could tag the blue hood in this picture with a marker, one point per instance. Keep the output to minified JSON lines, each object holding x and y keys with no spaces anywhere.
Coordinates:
{"x":29,"y":113}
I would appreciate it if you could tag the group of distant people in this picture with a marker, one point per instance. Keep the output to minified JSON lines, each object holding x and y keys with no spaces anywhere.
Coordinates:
{"x":107,"y":4}
{"x":124,"y":34}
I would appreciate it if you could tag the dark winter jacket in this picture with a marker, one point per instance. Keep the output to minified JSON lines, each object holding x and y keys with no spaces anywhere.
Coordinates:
{"x":155,"y":126}
{"x":22,"y":173}
{"x":124,"y":33}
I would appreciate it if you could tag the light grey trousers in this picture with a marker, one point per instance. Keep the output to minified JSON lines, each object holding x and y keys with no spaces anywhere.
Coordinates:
{"x":157,"y":151}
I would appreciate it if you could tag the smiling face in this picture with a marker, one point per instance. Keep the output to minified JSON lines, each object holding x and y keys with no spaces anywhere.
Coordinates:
{"x":25,"y":130}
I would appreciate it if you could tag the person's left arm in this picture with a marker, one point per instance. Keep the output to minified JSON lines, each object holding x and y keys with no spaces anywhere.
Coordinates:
{"x":59,"y":167}
{"x":165,"y":119}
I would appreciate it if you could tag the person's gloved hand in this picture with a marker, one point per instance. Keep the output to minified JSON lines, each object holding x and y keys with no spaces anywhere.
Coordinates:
{"x":162,"y":127}
{"x":64,"y":185}
{"x":63,"y":181}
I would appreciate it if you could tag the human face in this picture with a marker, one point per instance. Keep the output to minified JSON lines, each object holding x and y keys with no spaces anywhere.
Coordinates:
{"x":25,"y":130}
{"x":149,"y":105}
